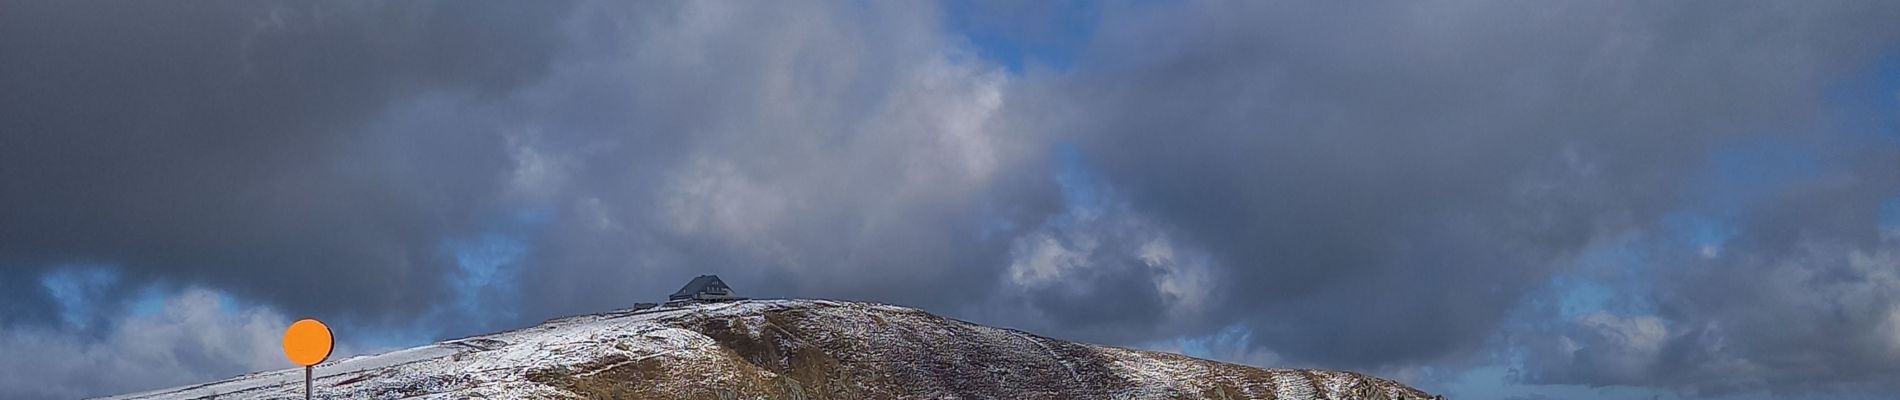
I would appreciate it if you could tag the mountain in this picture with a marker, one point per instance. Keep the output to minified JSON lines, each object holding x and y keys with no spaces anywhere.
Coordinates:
{"x":784,"y":349}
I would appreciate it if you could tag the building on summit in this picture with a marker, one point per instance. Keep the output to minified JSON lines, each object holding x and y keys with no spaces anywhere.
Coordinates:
{"x":703,"y":288}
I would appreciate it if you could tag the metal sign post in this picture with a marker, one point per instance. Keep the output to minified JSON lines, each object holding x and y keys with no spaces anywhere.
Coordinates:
{"x":308,"y":343}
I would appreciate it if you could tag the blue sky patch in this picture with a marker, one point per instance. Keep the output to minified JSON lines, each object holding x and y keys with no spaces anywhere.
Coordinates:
{"x":1020,"y":35}
{"x":77,"y":288}
{"x":1890,"y":214}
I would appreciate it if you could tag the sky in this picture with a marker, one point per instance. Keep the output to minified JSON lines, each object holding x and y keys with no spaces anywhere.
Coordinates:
{"x":1484,"y":199}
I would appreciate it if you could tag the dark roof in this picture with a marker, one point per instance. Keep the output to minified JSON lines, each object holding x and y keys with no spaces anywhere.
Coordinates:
{"x":699,"y":284}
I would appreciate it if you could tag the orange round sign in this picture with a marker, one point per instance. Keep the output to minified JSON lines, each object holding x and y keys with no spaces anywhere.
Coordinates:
{"x":308,"y":342}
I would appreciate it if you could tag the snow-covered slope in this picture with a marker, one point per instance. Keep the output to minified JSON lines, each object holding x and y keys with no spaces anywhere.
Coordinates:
{"x":784,"y":349}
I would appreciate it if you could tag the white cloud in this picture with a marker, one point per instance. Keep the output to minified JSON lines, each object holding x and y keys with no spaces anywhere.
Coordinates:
{"x":196,"y":336}
{"x":1041,"y":258}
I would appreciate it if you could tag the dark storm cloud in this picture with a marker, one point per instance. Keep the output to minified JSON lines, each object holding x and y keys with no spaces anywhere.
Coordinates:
{"x":1331,"y":184}
{"x":795,"y":149}
{"x":1806,"y":295}
{"x":1381,"y":185}
{"x":338,"y":160}
{"x":222,"y":142}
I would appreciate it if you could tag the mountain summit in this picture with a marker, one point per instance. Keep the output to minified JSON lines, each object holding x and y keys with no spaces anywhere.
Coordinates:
{"x":785,"y":349}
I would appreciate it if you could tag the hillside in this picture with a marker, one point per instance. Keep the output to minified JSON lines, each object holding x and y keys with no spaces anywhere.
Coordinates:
{"x":785,"y":349}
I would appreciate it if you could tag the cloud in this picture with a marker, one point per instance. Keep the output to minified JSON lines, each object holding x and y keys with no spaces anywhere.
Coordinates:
{"x":231,"y":144}
{"x":1808,"y":319}
{"x":1403,"y":176}
{"x":196,"y":333}
{"x":1623,"y":349}
{"x":795,"y":149}
{"x":1314,"y":184}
